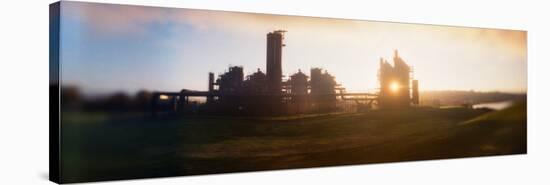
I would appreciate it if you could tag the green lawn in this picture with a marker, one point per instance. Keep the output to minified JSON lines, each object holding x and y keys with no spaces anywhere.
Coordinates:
{"x":100,"y":146}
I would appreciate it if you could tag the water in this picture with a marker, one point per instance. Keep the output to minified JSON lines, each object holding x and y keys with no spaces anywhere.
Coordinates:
{"x":494,"y":105}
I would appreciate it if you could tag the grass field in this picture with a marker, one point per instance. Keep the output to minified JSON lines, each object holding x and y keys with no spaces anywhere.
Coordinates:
{"x":100,"y":146}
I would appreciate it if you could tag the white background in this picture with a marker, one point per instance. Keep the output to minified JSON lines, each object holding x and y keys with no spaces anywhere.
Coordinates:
{"x":24,"y":92}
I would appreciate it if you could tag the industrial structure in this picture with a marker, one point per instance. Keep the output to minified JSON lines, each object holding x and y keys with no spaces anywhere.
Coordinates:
{"x":396,"y":84}
{"x":259,"y":93}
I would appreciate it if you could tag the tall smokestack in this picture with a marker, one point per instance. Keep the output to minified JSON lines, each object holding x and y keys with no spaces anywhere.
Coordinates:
{"x":274,"y":71}
{"x":209,"y":98}
{"x":415,"y":97}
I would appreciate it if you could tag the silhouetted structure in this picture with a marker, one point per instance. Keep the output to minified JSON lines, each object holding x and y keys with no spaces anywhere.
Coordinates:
{"x":395,"y":84}
{"x":210,"y":98}
{"x":274,"y":69}
{"x":323,"y":88}
{"x":299,"y":91}
{"x":269,"y":94}
{"x":256,"y":83}
{"x":231,"y":82}
{"x":415,"y":96}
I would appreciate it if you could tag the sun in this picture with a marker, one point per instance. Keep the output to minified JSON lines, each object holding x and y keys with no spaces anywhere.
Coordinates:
{"x":394,"y":87}
{"x":163,"y":97}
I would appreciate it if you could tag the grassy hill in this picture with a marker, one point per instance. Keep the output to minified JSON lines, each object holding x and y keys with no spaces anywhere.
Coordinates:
{"x":99,"y":146}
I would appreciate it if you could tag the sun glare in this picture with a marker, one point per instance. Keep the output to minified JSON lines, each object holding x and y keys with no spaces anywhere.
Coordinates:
{"x":394,"y":86}
{"x":163,"y":97}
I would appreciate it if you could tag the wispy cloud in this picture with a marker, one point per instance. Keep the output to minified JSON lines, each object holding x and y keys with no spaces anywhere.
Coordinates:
{"x":113,"y":19}
{"x":109,"y":19}
{"x":238,"y":38}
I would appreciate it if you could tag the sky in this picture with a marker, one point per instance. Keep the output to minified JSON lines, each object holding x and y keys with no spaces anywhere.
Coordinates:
{"x":117,"y":48}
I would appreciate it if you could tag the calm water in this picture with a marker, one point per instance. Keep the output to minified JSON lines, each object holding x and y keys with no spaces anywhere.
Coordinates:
{"x":494,"y":105}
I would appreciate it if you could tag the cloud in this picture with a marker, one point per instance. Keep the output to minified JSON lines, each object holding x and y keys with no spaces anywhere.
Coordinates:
{"x":127,"y":19}
{"x":113,"y":19}
{"x":312,"y":41}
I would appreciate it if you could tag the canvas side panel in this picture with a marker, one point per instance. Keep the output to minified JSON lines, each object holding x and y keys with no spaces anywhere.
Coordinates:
{"x":54,"y":126}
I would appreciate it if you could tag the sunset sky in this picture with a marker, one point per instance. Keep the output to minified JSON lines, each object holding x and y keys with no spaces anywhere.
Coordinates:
{"x":108,"y":48}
